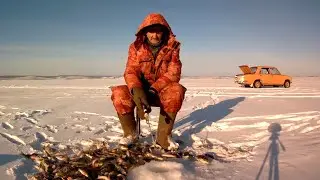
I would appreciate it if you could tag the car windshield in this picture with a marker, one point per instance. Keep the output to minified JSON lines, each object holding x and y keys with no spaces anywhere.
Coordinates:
{"x":253,"y":70}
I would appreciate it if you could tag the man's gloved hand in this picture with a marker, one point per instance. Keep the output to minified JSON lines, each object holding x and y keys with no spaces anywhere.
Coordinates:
{"x":153,"y":94}
{"x":140,"y":99}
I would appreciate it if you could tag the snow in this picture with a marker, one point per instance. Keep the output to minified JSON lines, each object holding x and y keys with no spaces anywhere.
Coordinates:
{"x":159,"y":171}
{"x":217,"y":116}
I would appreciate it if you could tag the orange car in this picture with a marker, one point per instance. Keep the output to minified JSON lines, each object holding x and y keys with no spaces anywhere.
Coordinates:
{"x":258,"y":76}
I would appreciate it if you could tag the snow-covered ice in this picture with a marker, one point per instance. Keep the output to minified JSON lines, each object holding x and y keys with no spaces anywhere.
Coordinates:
{"x":159,"y":171}
{"x":217,"y":116}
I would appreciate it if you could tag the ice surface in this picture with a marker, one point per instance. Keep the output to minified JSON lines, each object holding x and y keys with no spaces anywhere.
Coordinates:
{"x":160,"y":171}
{"x":217,"y":116}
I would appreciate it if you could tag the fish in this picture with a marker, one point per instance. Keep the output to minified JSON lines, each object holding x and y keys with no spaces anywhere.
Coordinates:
{"x":103,"y":178}
{"x":124,"y":148}
{"x":152,"y":156}
{"x":62,"y":158}
{"x":121,"y":176}
{"x":202,"y":159}
{"x":212,"y":156}
{"x":83,"y":172}
{"x":101,"y":161}
{"x":167,"y":155}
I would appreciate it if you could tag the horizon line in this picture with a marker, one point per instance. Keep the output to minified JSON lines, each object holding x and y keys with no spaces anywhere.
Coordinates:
{"x":117,"y":76}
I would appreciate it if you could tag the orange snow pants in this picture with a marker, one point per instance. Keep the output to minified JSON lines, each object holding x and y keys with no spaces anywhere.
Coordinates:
{"x":170,"y":98}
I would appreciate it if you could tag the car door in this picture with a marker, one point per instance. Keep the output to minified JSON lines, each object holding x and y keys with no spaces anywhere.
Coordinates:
{"x":277,"y":78}
{"x":265,"y":76}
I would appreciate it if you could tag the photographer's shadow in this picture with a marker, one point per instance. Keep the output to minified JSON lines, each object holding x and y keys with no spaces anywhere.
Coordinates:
{"x":273,"y":151}
{"x":201,"y":118}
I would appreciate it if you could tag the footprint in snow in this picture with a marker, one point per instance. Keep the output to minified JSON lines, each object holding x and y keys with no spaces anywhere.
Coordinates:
{"x":40,"y":137}
{"x":40,"y":112}
{"x":26,"y":128}
{"x":116,"y":129}
{"x":14,"y":139}
{"x":111,"y":117}
{"x":100,"y":131}
{"x":52,"y":128}
{"x":7,"y":125}
{"x":20,"y":115}
{"x":78,"y":126}
{"x":91,"y":128}
{"x":32,"y":121}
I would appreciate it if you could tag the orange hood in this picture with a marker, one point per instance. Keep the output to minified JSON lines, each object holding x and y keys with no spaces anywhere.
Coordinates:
{"x":152,"y":19}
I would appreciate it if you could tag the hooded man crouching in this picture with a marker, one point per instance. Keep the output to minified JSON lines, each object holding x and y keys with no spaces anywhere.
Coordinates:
{"x":152,"y":76}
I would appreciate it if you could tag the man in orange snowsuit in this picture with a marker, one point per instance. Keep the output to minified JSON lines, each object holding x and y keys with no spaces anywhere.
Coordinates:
{"x":152,"y":76}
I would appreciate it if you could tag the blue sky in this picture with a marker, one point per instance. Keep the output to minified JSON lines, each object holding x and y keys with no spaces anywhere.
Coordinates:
{"x":92,"y":37}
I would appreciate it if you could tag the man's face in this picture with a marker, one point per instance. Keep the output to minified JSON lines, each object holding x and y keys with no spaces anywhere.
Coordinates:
{"x":154,"y":35}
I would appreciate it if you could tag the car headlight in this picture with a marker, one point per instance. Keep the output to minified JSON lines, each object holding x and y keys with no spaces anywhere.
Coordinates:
{"x":242,"y":78}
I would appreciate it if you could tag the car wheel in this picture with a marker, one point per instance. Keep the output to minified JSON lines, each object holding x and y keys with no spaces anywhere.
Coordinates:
{"x":257,"y":84}
{"x":286,"y":84}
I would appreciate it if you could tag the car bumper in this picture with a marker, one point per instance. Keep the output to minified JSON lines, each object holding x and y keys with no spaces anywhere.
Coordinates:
{"x":242,"y":82}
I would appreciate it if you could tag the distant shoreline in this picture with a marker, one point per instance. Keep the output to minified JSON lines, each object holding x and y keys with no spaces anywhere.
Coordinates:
{"x":32,"y":77}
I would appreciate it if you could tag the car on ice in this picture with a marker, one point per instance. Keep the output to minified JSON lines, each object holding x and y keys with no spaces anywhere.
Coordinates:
{"x":259,"y":76}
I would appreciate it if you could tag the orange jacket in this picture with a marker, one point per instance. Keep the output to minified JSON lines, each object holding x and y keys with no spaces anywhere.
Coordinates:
{"x":159,"y":71}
